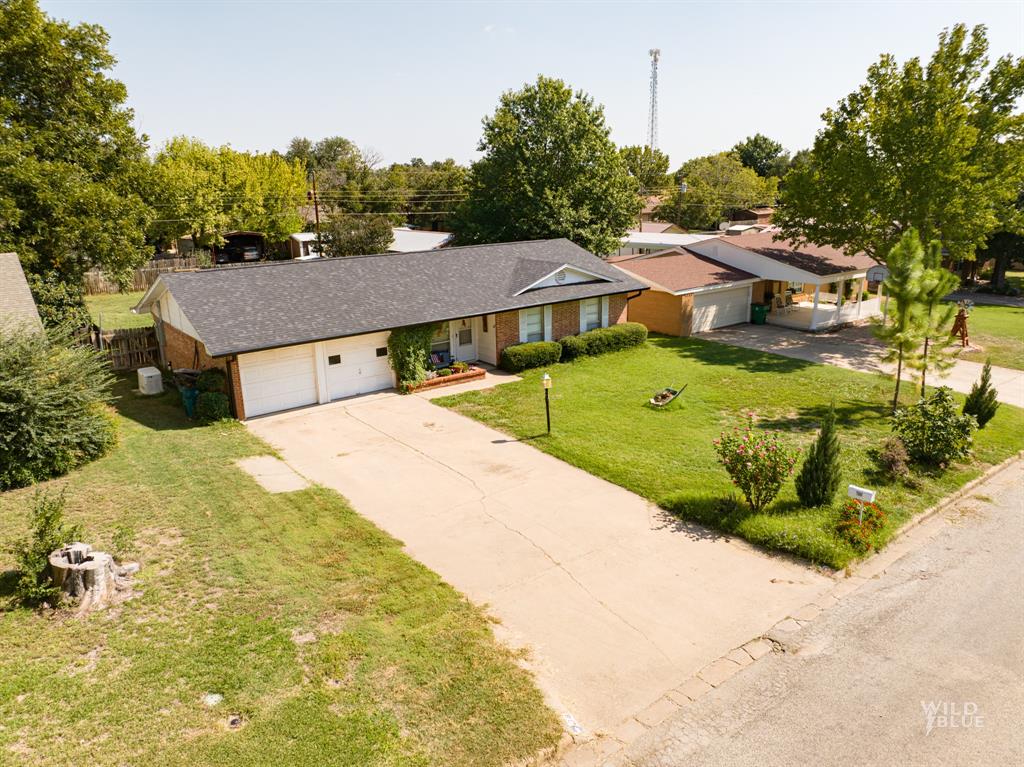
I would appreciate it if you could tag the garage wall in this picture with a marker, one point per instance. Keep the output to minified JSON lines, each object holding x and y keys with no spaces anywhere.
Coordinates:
{"x":661,"y":312}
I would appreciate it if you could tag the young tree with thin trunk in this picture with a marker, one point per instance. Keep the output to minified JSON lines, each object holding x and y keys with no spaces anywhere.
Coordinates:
{"x":902,"y":330}
{"x":820,"y":476}
{"x":937,"y":282}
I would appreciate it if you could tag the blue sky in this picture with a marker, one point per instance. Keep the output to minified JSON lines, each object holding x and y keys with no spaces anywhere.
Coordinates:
{"x":415,"y":79}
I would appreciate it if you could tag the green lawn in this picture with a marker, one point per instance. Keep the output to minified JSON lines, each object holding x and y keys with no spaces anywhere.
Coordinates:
{"x":601,"y":423}
{"x":999,"y":330}
{"x":404,"y":671}
{"x":115,"y":309}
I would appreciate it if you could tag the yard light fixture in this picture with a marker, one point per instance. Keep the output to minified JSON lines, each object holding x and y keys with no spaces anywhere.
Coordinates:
{"x":546,"y":382}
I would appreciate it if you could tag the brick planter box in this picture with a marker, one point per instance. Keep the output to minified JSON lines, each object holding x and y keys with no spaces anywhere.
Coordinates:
{"x":454,"y":378}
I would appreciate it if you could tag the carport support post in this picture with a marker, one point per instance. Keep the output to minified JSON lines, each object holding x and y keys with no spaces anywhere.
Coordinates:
{"x":814,"y":310}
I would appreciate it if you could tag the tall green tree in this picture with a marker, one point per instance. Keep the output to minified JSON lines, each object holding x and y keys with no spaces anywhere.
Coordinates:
{"x":716,"y":186}
{"x":72,"y":167}
{"x":205,"y":191}
{"x":648,"y":166}
{"x":432,"y":191}
{"x":901,"y":329}
{"x":346,"y":234}
{"x":936,"y":315}
{"x":549,"y":169}
{"x":936,"y":147}
{"x":763,"y":155}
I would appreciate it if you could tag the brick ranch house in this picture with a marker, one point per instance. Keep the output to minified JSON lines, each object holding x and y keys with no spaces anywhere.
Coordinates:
{"x":296,"y":333}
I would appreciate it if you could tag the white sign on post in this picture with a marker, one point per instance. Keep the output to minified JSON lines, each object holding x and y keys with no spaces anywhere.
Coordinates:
{"x":861,"y":494}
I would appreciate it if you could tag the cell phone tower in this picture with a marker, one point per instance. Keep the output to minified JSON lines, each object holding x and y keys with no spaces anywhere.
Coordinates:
{"x":652,"y":116}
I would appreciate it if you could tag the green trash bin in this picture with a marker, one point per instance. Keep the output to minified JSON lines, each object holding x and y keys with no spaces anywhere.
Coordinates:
{"x":189,"y":395}
{"x":759,"y":313}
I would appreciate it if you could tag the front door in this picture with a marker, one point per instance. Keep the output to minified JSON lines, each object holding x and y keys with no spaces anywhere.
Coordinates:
{"x":463,"y":340}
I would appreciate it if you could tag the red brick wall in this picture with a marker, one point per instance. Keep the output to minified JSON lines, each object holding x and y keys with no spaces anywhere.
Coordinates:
{"x":565,"y":319}
{"x":180,"y":352}
{"x":618,"y":309}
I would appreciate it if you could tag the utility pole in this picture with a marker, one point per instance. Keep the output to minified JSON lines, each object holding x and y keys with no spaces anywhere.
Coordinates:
{"x":316,"y":213}
{"x":652,"y":115}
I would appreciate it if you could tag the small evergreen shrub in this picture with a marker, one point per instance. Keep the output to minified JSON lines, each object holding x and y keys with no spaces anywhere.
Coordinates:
{"x":601,"y":340}
{"x":933,"y":431}
{"x":444,"y":372}
{"x":819,"y":477}
{"x":530,"y":355}
{"x":982,"y":402}
{"x":212,"y":406}
{"x":409,"y":354}
{"x":213,"y":380}
{"x":53,"y":405}
{"x":757,"y":462}
{"x":47,"y":532}
{"x":859,"y":522}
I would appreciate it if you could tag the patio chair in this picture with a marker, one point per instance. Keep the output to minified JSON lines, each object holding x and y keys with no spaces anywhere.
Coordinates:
{"x":782,"y":305}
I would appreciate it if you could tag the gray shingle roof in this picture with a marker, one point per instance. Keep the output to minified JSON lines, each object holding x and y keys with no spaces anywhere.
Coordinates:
{"x":16,"y":303}
{"x":248,"y":308}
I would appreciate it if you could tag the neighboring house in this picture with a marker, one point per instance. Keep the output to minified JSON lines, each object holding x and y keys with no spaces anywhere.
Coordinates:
{"x":689,"y":293}
{"x":759,"y":215}
{"x":657,"y":227}
{"x":713,"y":282}
{"x":644,"y":243}
{"x":296,"y":333}
{"x":651,"y":203}
{"x":17,"y":307}
{"x":302,"y":245}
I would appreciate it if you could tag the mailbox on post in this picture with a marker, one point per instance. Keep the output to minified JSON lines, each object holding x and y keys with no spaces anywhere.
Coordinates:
{"x":861,"y":494}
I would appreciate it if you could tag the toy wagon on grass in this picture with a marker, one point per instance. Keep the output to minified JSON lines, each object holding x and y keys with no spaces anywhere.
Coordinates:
{"x":666,"y":395}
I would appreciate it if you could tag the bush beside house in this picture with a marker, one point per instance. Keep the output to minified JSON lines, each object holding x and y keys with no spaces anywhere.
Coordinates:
{"x":519,"y":357}
{"x":54,"y":414}
{"x":601,"y":340}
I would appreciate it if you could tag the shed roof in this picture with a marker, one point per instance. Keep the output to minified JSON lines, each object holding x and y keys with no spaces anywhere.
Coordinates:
{"x":248,"y":308}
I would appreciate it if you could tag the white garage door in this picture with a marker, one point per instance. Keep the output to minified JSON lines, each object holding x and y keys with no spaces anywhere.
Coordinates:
{"x":358,"y":365}
{"x":277,"y":379}
{"x":720,"y":308}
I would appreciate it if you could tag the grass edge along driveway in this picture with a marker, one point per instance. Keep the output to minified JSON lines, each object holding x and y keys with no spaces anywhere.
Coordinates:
{"x":334,"y":645}
{"x":602,"y":424}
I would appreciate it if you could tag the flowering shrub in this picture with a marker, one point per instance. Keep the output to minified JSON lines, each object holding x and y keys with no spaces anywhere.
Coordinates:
{"x":858,"y":522}
{"x":757,"y":462}
{"x":934,"y":431}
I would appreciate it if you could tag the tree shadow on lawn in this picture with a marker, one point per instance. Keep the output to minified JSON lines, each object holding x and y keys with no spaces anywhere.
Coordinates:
{"x":714,"y":353}
{"x":851,"y":413}
{"x":160,"y":412}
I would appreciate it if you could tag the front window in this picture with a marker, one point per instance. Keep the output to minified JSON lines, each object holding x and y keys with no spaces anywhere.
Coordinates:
{"x":590,"y":313}
{"x":534,"y":323}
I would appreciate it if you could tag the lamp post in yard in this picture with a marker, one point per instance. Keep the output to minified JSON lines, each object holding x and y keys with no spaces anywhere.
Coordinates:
{"x":546,"y":381}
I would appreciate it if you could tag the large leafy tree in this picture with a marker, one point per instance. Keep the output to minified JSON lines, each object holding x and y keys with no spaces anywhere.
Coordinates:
{"x":715,"y":187}
{"x":346,"y":234}
{"x":432,"y":191}
{"x":936,"y":147}
{"x":648,"y":166}
{"x":72,"y":167}
{"x":549,"y":169}
{"x":205,"y":191}
{"x":763,"y":155}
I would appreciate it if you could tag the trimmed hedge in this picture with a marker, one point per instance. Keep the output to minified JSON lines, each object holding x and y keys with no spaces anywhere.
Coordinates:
{"x":212,"y":406}
{"x":212,"y":380}
{"x":601,"y":340}
{"x":530,"y":355}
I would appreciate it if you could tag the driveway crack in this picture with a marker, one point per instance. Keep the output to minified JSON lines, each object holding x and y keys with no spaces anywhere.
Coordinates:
{"x":483,"y":496}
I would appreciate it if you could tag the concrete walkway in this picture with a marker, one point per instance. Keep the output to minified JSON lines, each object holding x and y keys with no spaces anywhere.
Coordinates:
{"x":854,"y":348}
{"x":617,"y":603}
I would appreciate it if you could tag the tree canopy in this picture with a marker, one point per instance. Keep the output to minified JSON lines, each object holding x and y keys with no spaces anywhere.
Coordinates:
{"x":648,"y":166}
{"x":937,"y":147}
{"x":347,"y":234}
{"x":549,"y":169}
{"x":763,"y":155}
{"x":207,"y":191}
{"x":716,"y":186}
{"x":72,"y":168}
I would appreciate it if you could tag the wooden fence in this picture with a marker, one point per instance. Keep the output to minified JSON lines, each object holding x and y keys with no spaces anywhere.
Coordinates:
{"x":142,"y":278}
{"x":127,"y":348}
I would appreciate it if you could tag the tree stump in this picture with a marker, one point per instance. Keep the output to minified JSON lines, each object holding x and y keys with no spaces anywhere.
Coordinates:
{"x":88,"y":576}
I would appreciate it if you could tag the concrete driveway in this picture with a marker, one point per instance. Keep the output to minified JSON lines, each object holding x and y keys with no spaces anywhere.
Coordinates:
{"x":856,"y":348}
{"x":617,"y":603}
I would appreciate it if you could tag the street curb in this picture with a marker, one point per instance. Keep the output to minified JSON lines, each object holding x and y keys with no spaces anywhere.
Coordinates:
{"x":598,"y":750}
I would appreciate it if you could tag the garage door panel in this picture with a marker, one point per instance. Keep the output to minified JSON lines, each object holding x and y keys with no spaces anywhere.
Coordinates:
{"x":720,"y":308}
{"x":278,"y":379}
{"x":357,"y":368}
